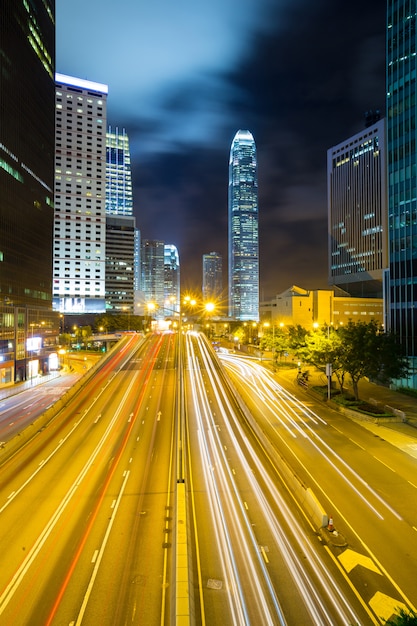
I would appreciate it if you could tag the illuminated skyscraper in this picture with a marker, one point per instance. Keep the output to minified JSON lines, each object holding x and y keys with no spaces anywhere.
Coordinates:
{"x":119,"y":200}
{"x":243,"y":229}
{"x":357,"y":212}
{"x":27,"y":128}
{"x":80,"y":196}
{"x":402,"y":173}
{"x":171,"y":279}
{"x":212,"y":276}
{"x":152,"y":274}
{"x":122,"y":236}
{"x":27,"y":92}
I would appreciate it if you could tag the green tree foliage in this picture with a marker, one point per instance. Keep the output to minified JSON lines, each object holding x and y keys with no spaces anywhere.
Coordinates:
{"x":404,"y":618}
{"x":368,"y":351}
{"x":358,"y":349}
{"x":115,"y":322}
{"x":274,"y":340}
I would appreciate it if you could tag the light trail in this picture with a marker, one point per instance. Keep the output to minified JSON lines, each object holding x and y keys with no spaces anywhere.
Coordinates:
{"x":215,"y":457}
{"x":278,"y":401}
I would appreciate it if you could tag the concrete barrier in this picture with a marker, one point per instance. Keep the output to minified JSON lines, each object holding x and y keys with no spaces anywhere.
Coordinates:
{"x":182,"y":579}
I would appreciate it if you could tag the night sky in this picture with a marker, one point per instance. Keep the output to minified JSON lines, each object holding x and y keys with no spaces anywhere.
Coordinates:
{"x":185,"y":75}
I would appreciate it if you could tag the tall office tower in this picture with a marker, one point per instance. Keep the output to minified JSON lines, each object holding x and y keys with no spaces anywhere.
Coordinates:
{"x":80,"y":196}
{"x":357,"y":212}
{"x":171,"y":279}
{"x":27,"y":40}
{"x":402,"y":174}
{"x":120,"y":225}
{"x":212,"y":276}
{"x":27,"y":101}
{"x":152,"y":274}
{"x":243,"y":229}
{"x":120,"y":260}
{"x":119,"y":198}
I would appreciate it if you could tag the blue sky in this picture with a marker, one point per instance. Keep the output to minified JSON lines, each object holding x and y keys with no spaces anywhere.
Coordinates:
{"x":184,"y":76}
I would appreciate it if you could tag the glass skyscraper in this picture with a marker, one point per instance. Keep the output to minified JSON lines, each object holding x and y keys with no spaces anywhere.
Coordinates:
{"x":243,"y":241}
{"x":357,"y":212}
{"x":119,"y":199}
{"x":27,"y":143}
{"x":212,"y":276}
{"x":171,"y":279}
{"x":402,"y":173}
{"x":122,"y":266}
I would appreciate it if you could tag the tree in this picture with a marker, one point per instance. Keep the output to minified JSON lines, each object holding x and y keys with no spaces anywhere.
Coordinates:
{"x":297,"y":340}
{"x":404,"y":618}
{"x":358,"y":349}
{"x":274,"y":340}
{"x":369,"y":352}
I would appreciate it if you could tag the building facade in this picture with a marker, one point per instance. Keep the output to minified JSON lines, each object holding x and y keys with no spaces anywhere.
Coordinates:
{"x":152,"y":275}
{"x":121,"y":233}
{"x":172,"y":281}
{"x":320,"y":307}
{"x":119,"y":196}
{"x":401,"y":109}
{"x":357,"y":212}
{"x":212,"y":276}
{"x":27,"y":102}
{"x":243,"y":240}
{"x":80,"y":196}
{"x":120,"y":260}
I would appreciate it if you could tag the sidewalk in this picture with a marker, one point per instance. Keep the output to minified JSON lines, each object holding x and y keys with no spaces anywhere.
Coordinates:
{"x":403,"y":435}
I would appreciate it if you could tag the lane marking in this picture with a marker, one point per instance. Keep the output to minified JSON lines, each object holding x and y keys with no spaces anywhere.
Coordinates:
{"x":382,"y":462}
{"x":350,"y":559}
{"x":385,"y":607}
{"x":264,"y":554}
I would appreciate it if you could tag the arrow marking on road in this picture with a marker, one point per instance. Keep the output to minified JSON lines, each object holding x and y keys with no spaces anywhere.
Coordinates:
{"x":350,"y":559}
{"x":158,"y":415}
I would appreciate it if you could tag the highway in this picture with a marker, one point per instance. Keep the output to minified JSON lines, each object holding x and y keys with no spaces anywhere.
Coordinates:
{"x":91,"y":507}
{"x":254,"y":563}
{"x":365,"y":484}
{"x":86,"y":505}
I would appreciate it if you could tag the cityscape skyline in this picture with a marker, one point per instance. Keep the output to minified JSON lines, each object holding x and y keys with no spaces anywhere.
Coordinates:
{"x":182,"y":104}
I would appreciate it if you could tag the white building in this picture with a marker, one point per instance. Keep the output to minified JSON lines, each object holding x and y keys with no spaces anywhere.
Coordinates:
{"x":80,"y":196}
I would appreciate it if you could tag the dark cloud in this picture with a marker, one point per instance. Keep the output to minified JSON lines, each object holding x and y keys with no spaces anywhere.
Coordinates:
{"x":305,"y":87}
{"x":299,"y":75}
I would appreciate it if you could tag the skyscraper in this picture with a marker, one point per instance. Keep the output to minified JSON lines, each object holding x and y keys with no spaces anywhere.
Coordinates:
{"x":80,"y":196}
{"x":212,"y":276}
{"x":402,"y":174}
{"x":152,"y":274}
{"x":121,"y":233}
{"x":171,"y":279}
{"x":243,"y":229}
{"x":119,"y":198}
{"x":27,"y":102}
{"x":357,"y":212}
{"x":27,"y":36}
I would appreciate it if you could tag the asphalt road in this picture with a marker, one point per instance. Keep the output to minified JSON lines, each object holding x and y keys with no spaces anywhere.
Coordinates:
{"x":84,"y":506}
{"x":256,"y":564}
{"x":367,"y":485}
{"x":90,"y":507}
